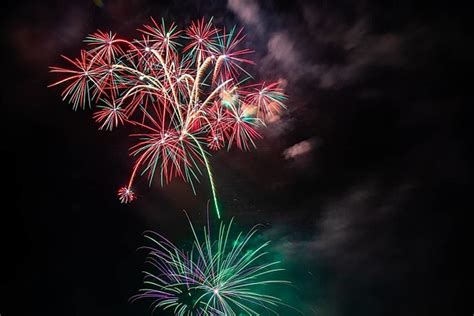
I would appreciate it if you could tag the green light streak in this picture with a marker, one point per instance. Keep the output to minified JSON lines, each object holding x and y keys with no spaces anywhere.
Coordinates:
{"x":209,"y":173}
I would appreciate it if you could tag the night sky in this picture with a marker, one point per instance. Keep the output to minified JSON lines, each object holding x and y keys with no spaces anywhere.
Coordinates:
{"x":362,"y":185}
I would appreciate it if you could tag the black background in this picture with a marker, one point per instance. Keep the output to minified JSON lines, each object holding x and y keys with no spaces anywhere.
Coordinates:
{"x":374,"y":220}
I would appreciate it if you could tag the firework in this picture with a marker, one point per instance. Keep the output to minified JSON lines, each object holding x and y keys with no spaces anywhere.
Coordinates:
{"x":226,"y":276}
{"x":182,"y":92}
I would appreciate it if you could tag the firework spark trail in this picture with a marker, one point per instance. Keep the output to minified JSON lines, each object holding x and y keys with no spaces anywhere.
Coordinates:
{"x":223,"y":276}
{"x":183,"y":90}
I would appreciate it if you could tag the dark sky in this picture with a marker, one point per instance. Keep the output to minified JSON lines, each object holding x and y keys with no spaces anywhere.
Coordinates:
{"x":362,"y":185}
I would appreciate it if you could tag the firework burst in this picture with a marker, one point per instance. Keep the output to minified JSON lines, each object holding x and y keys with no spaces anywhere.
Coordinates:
{"x":223,"y":276}
{"x":182,"y":92}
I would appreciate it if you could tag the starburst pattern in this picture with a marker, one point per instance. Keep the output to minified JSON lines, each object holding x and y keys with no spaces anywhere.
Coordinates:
{"x":224,"y":276}
{"x":181,"y":90}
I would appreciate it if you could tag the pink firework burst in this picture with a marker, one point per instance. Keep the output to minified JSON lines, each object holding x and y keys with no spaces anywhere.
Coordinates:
{"x":178,"y":89}
{"x":126,"y":195}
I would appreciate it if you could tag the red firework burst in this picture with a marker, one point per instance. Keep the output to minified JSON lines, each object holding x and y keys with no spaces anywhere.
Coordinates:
{"x":179,"y":88}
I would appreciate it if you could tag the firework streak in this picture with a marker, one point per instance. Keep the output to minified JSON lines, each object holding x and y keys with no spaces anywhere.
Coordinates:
{"x":216,"y":277}
{"x":185,"y":92}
